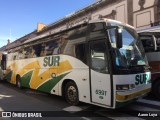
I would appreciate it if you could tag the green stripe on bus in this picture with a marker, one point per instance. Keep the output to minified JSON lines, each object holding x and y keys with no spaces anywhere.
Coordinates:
{"x":48,"y":86}
{"x":25,"y":79}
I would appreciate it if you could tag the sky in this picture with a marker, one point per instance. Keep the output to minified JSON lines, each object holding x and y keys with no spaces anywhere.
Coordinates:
{"x":20,"y":17}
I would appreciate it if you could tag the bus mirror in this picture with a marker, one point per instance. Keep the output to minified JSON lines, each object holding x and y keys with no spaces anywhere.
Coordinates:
{"x":119,"y":38}
{"x":154,"y":43}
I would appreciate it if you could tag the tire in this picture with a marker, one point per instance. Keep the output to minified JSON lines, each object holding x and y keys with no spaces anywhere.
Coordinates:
{"x":18,"y":82}
{"x":71,"y":93}
{"x":156,"y":89}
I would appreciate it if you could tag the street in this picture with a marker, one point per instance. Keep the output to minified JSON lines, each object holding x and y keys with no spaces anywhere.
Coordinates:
{"x":13,"y":99}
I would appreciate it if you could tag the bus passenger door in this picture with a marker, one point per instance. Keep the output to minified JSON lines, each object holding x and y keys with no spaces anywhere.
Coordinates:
{"x":99,"y":75}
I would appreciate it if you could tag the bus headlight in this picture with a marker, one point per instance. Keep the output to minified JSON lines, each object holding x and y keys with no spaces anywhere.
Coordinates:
{"x":125,"y":87}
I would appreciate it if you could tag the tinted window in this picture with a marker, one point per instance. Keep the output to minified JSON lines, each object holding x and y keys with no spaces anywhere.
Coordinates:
{"x":71,"y":40}
{"x":96,"y":30}
{"x":99,"y":57}
{"x":81,"y":52}
{"x":26,"y":52}
{"x":96,"y":27}
{"x":37,"y":50}
{"x":158,"y":44}
{"x":52,"y":47}
{"x":147,"y":44}
{"x":77,"y":33}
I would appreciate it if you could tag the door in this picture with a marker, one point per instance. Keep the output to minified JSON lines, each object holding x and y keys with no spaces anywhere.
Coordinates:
{"x":99,"y":73}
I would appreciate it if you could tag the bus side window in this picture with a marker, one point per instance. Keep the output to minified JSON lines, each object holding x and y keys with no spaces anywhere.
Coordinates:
{"x":27,"y":51}
{"x":80,"y":52}
{"x":148,"y":45}
{"x":158,"y":44}
{"x":49,"y":49}
{"x":43,"y":51}
{"x":99,"y":57}
{"x":37,"y":50}
{"x":20,"y":54}
{"x":52,"y":47}
{"x":71,"y":39}
{"x":31,"y":53}
{"x":96,"y":30}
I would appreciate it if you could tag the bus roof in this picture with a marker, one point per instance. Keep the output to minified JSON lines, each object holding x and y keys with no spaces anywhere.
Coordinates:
{"x":90,"y":21}
{"x":85,"y":23}
{"x":151,"y":29}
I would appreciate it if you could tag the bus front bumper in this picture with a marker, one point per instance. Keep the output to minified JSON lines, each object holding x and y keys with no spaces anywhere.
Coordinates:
{"x":124,"y":99}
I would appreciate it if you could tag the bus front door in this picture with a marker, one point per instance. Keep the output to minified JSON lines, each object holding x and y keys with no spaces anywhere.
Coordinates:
{"x":99,"y":75}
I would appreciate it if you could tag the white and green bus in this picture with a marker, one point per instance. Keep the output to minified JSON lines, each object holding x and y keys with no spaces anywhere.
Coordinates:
{"x":100,"y":62}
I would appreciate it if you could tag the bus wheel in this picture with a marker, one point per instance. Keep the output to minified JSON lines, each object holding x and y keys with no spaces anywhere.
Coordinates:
{"x":18,"y":82}
{"x":71,"y":93}
{"x":156,"y":89}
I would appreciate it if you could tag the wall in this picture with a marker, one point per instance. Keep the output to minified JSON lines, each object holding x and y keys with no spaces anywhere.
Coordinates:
{"x":143,"y":13}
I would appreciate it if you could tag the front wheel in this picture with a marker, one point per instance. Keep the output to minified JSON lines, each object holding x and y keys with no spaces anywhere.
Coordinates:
{"x":71,"y":93}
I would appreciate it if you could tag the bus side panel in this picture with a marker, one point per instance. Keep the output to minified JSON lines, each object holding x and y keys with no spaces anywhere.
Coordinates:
{"x":49,"y":74}
{"x":24,"y":70}
{"x":79,"y":74}
{"x":35,"y":74}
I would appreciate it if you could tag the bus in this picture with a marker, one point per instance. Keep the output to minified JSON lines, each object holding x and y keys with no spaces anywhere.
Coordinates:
{"x":100,"y":62}
{"x":151,"y":41}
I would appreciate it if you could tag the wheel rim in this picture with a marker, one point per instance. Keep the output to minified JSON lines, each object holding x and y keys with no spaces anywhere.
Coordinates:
{"x":18,"y":83}
{"x":72,"y":93}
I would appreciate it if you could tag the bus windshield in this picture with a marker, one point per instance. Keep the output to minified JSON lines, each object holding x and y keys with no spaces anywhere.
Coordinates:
{"x":132,"y":52}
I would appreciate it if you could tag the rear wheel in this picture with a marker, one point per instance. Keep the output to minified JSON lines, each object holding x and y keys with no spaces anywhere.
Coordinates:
{"x":71,"y":93}
{"x":156,"y":89}
{"x":18,"y":82}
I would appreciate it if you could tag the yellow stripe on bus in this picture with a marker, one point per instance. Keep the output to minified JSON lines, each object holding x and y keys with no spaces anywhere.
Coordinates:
{"x":12,"y":68}
{"x":37,"y":79}
{"x":28,"y":67}
{"x":131,"y":96}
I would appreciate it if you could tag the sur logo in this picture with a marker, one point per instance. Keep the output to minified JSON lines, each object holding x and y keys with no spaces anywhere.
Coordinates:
{"x":141,"y":78}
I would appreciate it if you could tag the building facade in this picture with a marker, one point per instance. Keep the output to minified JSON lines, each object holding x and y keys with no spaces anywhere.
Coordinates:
{"x":138,"y":13}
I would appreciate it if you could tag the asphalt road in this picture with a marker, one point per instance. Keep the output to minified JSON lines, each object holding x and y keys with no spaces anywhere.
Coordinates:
{"x":25,"y":101}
